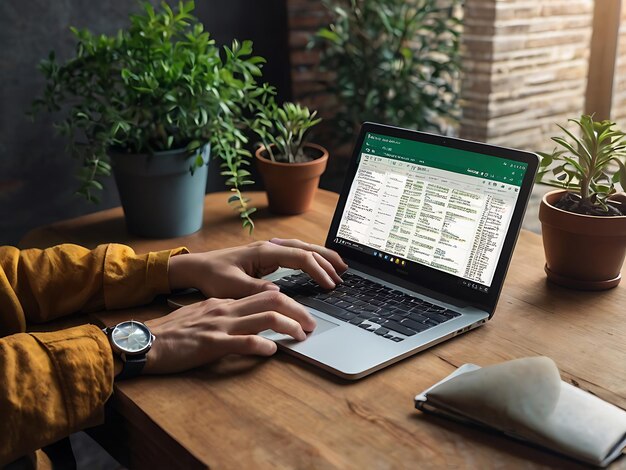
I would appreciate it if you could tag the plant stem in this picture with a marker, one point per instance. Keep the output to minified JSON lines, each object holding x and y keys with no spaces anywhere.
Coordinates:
{"x":584,"y":188}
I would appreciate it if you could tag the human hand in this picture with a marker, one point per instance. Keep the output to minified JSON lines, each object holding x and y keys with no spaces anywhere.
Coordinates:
{"x":235,"y":272}
{"x":206,"y":331}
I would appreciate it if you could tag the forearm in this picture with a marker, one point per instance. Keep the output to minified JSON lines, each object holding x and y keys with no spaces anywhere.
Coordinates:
{"x":53,"y":384}
{"x":39,"y":285}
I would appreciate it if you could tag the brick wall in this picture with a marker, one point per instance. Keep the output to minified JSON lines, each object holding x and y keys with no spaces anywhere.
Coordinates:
{"x":305,"y":18}
{"x":618,"y":105}
{"x":525,"y":67}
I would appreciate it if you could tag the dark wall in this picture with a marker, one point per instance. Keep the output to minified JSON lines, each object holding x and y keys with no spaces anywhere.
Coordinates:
{"x":37,"y":181}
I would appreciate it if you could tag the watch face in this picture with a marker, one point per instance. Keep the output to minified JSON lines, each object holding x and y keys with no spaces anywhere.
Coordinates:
{"x":132,"y":337}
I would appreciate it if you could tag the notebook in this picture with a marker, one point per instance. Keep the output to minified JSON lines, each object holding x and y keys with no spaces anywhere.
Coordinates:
{"x":427,"y":225}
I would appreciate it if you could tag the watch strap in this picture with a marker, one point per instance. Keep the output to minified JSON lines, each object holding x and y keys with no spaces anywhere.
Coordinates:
{"x":133,"y":365}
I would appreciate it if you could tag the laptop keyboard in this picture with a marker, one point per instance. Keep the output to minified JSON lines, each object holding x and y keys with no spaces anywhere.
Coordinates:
{"x":384,"y":311}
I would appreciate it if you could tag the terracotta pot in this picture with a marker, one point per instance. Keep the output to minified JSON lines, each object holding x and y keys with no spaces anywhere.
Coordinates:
{"x":582,"y":251}
{"x":291,"y":186}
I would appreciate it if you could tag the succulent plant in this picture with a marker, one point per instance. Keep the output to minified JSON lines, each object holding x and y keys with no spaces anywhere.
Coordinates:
{"x":588,"y":167}
{"x":282,"y":130}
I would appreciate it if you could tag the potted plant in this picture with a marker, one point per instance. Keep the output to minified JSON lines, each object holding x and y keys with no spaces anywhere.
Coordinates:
{"x":392,"y":61}
{"x":155,"y":100}
{"x":289,"y":166}
{"x":584,"y":223}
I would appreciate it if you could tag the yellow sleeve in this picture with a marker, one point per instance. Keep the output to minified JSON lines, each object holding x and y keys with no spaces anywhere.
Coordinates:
{"x":53,"y":384}
{"x":40,"y":285}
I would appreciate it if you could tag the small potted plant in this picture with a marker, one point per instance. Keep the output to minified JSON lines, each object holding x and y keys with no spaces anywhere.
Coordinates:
{"x":152,"y":100}
{"x":584,"y":223}
{"x":289,"y":166}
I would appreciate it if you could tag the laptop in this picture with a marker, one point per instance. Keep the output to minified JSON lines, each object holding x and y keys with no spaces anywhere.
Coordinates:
{"x":427,"y":225}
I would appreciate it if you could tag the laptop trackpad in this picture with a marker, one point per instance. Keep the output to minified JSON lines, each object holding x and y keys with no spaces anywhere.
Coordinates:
{"x":322,"y":327}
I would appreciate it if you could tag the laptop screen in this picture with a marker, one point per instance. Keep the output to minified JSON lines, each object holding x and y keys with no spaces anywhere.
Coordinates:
{"x":445,"y":208}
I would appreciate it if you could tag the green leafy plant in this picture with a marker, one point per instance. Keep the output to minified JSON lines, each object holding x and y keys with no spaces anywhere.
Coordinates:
{"x":161,"y":84}
{"x":393,"y":61}
{"x":282,"y":130}
{"x":588,"y":167}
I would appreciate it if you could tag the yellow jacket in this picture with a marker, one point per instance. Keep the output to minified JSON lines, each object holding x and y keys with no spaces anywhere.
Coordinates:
{"x":53,"y":384}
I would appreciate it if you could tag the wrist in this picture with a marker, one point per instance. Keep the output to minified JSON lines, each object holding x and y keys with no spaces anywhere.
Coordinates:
{"x":130,"y":342}
{"x":151,"y":366}
{"x":178,"y":272}
{"x":151,"y":362}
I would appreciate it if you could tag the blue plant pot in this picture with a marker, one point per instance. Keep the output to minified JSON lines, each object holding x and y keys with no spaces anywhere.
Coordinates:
{"x":160,"y":196}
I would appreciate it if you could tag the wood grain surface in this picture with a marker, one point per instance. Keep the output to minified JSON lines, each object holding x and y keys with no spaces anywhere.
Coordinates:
{"x":245,"y":412}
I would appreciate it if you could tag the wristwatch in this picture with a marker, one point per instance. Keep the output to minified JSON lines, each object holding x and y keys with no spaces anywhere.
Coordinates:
{"x":131,"y":340}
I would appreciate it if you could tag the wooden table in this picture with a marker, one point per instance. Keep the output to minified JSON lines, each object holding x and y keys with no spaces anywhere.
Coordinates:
{"x":282,"y":413}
